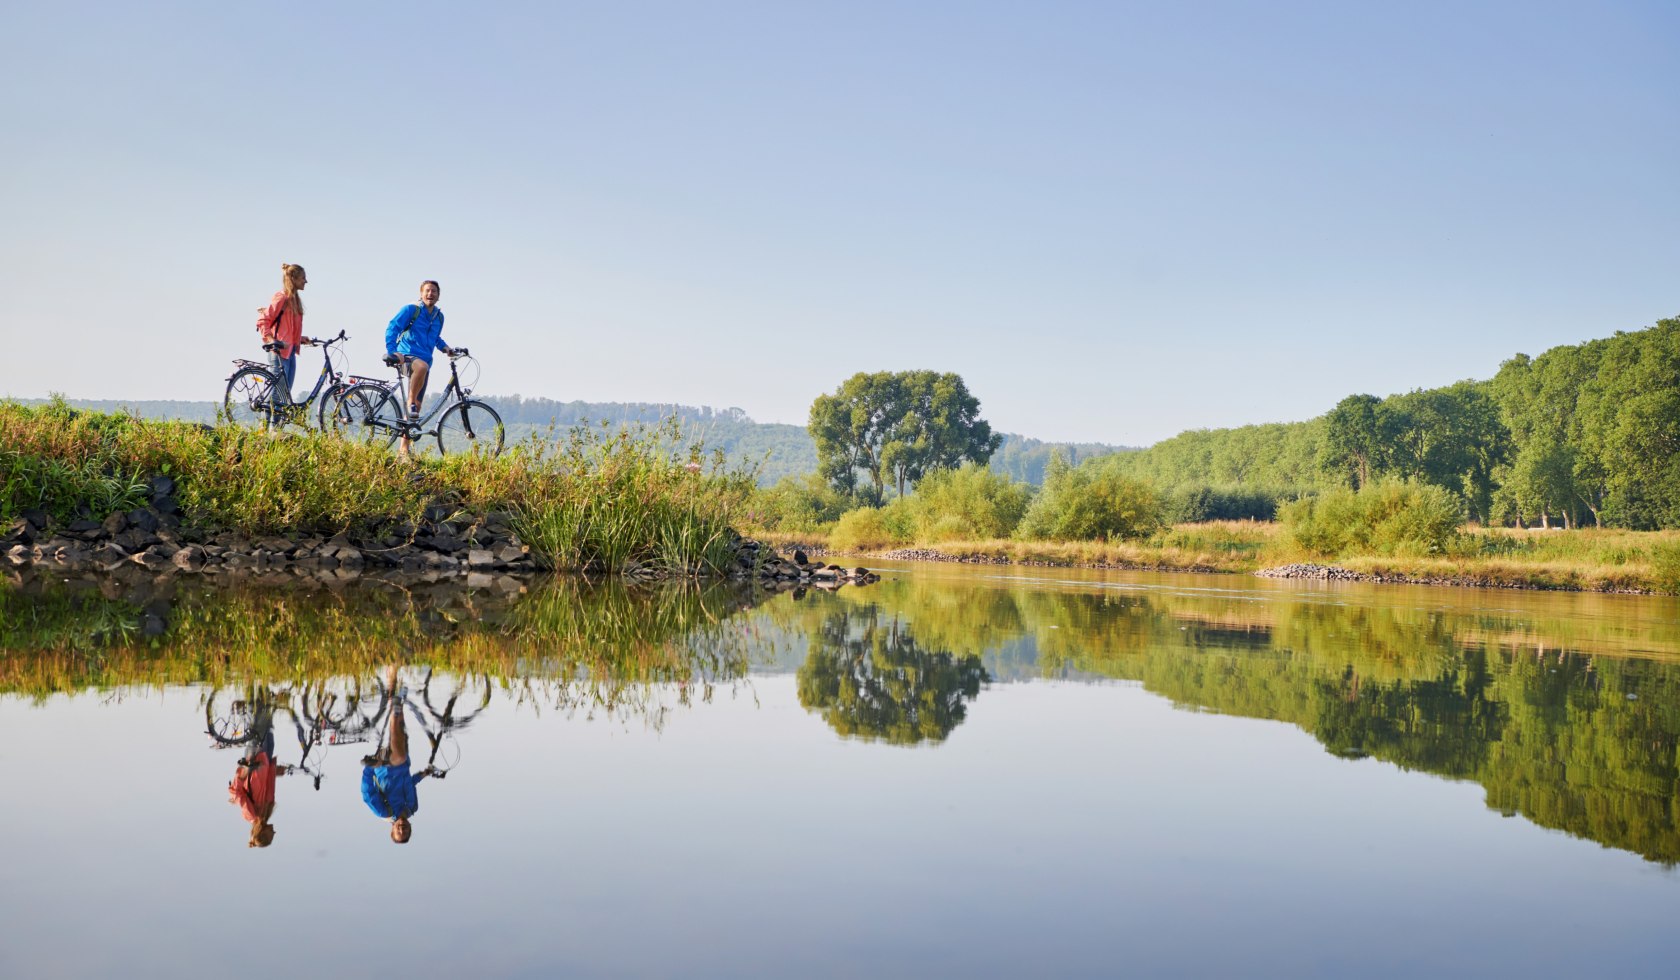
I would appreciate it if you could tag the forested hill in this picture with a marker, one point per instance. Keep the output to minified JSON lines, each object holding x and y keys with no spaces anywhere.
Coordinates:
{"x":785,"y":450}
{"x":1582,"y":434}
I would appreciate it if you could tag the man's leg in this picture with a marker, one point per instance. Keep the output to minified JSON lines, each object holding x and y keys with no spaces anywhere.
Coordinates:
{"x":416,"y":389}
{"x":399,"y":734}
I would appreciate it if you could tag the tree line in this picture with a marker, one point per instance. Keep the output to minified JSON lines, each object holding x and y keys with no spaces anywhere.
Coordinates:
{"x":1585,"y":434}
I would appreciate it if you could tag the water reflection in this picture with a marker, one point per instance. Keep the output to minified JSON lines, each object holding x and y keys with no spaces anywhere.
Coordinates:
{"x":868,"y":677}
{"x":1565,"y":711}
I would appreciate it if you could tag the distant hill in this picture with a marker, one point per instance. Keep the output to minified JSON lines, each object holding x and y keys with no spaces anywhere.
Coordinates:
{"x":778,"y":450}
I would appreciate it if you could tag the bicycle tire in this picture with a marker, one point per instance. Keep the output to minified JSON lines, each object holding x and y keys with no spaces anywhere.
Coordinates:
{"x":457,"y":697}
{"x":367,"y":414}
{"x":229,"y":718}
{"x":249,"y":401}
{"x":330,"y":397}
{"x":470,"y":427}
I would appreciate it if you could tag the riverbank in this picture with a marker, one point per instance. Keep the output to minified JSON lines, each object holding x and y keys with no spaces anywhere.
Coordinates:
{"x":1594,"y":560}
{"x":95,"y":491}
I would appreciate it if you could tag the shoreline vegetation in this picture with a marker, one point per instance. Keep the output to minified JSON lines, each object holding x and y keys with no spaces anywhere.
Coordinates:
{"x":1583,"y":560}
{"x":105,"y":489}
{"x":90,"y":490}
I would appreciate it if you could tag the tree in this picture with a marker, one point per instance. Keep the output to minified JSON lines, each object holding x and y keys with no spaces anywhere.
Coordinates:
{"x":1354,"y":442}
{"x":897,"y":426}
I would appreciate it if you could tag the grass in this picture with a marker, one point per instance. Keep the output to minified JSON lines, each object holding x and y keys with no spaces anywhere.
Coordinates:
{"x":594,"y":498}
{"x":1592,"y":560}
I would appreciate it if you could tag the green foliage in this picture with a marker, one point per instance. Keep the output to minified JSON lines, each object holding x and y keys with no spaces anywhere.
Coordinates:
{"x":1281,"y":459}
{"x":805,"y":503}
{"x":1390,"y":517}
{"x":893,"y":427}
{"x":1024,"y":460}
{"x":1194,"y":504}
{"x":970,"y":503}
{"x":1665,"y":566}
{"x":864,"y":529}
{"x":1090,"y":502}
{"x":600,"y":499}
{"x":870,"y":679}
{"x":64,"y":462}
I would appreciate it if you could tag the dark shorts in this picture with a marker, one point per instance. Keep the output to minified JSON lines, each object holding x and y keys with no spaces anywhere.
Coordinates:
{"x":407,"y":369}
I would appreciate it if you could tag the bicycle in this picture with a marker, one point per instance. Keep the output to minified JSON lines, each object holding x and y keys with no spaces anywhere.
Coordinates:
{"x":235,"y":717}
{"x":372,"y":411}
{"x":256,"y":397}
{"x":463,"y":697}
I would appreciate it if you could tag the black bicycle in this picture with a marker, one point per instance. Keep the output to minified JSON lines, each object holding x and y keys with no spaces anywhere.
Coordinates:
{"x":373,"y":412}
{"x":257,"y":398}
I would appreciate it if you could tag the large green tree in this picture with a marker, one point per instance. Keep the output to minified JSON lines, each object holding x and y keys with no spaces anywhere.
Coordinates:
{"x":894,"y":427}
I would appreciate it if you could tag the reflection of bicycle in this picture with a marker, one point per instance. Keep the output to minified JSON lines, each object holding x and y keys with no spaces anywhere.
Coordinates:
{"x":448,"y":703}
{"x":373,"y":412}
{"x":235,"y":718}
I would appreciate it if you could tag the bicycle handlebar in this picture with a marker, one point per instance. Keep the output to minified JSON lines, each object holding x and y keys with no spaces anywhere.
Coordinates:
{"x":274,"y":345}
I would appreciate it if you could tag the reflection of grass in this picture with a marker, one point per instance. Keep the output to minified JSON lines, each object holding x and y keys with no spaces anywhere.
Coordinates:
{"x":60,"y":639}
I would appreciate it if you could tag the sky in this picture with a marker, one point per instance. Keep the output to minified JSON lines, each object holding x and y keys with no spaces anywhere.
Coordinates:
{"x":1116,"y":221}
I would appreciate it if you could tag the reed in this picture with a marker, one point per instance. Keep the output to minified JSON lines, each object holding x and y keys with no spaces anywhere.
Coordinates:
{"x":595,"y":497}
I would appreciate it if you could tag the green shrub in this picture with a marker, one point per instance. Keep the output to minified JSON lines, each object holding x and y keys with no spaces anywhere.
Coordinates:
{"x":1196,"y":504}
{"x":805,"y":503}
{"x":863,"y":529}
{"x":968,"y":503}
{"x":1391,"y":517}
{"x":1665,"y":566}
{"x":1090,"y":503}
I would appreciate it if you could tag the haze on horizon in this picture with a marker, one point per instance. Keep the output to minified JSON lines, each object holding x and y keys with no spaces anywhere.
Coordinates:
{"x":1116,"y":221}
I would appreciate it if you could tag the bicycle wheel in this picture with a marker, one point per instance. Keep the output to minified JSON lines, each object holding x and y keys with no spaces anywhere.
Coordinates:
{"x":229,"y":718}
{"x":457,"y":698}
{"x":329,"y":401}
{"x":250,"y":398}
{"x":470,"y":427}
{"x":367,"y":413}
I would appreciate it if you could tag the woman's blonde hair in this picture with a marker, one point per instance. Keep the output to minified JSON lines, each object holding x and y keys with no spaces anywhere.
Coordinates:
{"x":289,"y":275}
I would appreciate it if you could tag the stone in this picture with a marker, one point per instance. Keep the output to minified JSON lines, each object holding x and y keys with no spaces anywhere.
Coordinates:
{"x":21,"y":531}
{"x":39,"y":518}
{"x":142,"y":518}
{"x":136,"y":539}
{"x":190,"y":558}
{"x":19,"y":554}
{"x":86,"y":530}
{"x":152,"y":559}
{"x":511,"y":553}
{"x":117,"y":523}
{"x":161,"y":485}
{"x":480,"y":558}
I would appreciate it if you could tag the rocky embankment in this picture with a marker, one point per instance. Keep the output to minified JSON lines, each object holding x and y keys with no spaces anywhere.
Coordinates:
{"x":446,"y":540}
{"x":1323,"y":573}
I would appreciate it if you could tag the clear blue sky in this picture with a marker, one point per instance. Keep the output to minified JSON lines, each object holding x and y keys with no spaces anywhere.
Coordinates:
{"x":1116,"y":221}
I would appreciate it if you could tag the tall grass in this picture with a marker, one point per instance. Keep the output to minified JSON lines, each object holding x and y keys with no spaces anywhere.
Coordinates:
{"x":594,"y":498}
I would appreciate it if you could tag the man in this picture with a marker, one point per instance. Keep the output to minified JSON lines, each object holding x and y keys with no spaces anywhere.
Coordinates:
{"x":388,"y":787}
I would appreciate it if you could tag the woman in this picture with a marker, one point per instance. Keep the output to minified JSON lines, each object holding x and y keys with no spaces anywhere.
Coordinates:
{"x":413,"y":334}
{"x":282,"y":320}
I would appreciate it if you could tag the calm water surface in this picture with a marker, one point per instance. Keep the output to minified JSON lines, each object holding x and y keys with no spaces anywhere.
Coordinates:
{"x":958,"y":771}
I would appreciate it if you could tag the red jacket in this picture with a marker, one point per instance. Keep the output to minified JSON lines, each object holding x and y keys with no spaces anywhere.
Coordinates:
{"x":252,"y":789}
{"x":291,"y":324}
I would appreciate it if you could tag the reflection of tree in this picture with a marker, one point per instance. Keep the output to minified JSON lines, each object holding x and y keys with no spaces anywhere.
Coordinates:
{"x":870,"y":679}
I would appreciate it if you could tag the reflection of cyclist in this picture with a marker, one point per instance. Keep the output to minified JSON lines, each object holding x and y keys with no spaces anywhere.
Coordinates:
{"x":387,"y":784}
{"x":413,"y":334}
{"x":252,"y":789}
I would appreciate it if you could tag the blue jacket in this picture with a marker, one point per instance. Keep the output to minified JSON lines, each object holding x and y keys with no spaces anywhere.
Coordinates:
{"x":389,"y":790}
{"x":425,"y":336}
